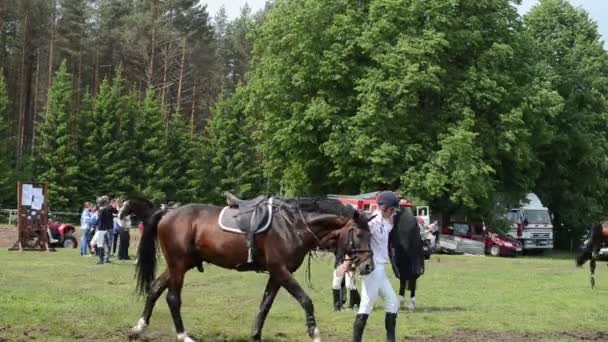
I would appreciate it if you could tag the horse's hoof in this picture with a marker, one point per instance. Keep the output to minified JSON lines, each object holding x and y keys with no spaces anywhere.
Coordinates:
{"x":133,"y":335}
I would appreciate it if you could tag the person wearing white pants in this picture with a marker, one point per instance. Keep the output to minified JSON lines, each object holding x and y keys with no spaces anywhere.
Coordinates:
{"x":377,"y":283}
{"x":342,"y":273}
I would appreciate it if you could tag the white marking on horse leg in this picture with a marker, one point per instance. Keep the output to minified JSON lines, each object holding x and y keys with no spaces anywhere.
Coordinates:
{"x":316,"y":335}
{"x":139,"y":327}
{"x":412,"y":305}
{"x":183,"y":337}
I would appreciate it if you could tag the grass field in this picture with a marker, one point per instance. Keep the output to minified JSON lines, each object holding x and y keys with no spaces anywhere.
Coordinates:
{"x":64,"y":297}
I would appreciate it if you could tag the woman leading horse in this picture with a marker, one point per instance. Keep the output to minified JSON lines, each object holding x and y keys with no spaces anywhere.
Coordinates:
{"x":192,"y":234}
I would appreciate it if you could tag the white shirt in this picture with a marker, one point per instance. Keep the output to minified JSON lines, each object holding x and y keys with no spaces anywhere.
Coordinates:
{"x":380,"y":228}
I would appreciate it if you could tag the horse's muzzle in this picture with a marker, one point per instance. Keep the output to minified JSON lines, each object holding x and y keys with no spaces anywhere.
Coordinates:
{"x":366,"y":267}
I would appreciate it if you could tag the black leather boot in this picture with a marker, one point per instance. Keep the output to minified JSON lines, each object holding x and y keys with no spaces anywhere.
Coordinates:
{"x":100,"y":253}
{"x":359,"y":326}
{"x":354,"y":299}
{"x":337,"y":300}
{"x":390,"y":321}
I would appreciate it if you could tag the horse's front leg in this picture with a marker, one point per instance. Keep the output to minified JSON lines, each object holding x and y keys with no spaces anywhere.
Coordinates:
{"x":592,"y":267}
{"x":286,"y":279}
{"x":272,"y":287}
{"x":156,"y":289}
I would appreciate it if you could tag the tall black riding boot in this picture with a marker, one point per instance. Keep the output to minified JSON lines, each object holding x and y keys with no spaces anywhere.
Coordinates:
{"x":354,"y":299}
{"x":390,"y":321}
{"x":100,"y":253}
{"x":337,"y":300}
{"x":343,"y":291}
{"x":359,"y":326}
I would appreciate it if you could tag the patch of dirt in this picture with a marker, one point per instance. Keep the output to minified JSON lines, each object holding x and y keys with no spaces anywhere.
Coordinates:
{"x":8,"y":236}
{"x":479,"y":336}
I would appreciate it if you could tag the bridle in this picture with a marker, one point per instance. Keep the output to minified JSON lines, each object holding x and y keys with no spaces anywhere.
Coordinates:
{"x":353,"y":252}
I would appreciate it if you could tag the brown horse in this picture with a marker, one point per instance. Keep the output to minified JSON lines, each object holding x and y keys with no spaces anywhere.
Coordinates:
{"x":191,"y":234}
{"x":597,"y":236}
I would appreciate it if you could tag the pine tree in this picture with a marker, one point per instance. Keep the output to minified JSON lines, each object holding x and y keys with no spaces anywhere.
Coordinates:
{"x":114,"y":138}
{"x":87,"y":149}
{"x":152,"y":138}
{"x":236,"y":164}
{"x":57,"y":159}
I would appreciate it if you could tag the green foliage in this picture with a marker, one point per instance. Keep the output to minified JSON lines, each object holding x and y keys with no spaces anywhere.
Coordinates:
{"x":57,"y":160}
{"x":236,"y":164}
{"x":574,"y":164}
{"x":112,"y":139}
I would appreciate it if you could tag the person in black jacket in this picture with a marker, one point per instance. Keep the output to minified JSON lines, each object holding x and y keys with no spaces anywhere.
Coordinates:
{"x":105,"y":224}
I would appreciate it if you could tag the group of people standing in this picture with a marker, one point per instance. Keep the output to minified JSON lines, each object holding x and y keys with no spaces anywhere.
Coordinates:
{"x":109,"y":231}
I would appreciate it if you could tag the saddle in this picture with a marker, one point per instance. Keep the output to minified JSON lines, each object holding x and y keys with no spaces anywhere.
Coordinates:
{"x":246,"y":216}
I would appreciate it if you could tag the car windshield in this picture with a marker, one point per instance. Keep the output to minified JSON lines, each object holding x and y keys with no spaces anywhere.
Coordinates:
{"x":537,"y":216}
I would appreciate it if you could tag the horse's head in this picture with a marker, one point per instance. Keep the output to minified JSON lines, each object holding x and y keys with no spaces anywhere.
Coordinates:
{"x":343,"y":229}
{"x":353,"y":242}
{"x":139,"y":207}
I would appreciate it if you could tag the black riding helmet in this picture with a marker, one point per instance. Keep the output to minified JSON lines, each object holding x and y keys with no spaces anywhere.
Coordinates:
{"x":387,"y":198}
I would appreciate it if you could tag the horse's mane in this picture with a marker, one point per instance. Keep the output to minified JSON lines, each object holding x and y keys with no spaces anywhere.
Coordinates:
{"x":142,"y":199}
{"x":320,"y":205}
{"x":324,"y":205}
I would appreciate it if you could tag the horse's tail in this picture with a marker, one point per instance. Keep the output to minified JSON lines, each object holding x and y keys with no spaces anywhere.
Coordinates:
{"x":146,"y":254}
{"x":587,"y":251}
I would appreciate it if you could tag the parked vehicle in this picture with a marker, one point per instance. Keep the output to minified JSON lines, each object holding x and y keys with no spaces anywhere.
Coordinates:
{"x":499,"y":244}
{"x":462,"y":238}
{"x":476,"y":238}
{"x":531,"y":225}
{"x":62,"y":235}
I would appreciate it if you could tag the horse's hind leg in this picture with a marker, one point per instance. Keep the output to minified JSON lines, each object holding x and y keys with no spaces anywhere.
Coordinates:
{"x":174,"y":300}
{"x":291,"y":285}
{"x":157,"y":287}
{"x":592,"y":269}
{"x":402,"y":286}
{"x":272,"y":287}
{"x":412,"y":306}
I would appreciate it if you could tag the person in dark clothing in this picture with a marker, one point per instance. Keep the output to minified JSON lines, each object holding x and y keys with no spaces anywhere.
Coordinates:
{"x":104,"y":226}
{"x":123,"y":247}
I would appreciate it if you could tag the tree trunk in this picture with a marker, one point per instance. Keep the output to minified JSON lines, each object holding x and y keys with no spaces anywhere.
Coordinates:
{"x":77,"y":87}
{"x":192,"y":122}
{"x":2,"y":33}
{"x":35,"y":105}
{"x":165,"y":86}
{"x":96,"y":66}
{"x":51,"y":48}
{"x":181,"y":77}
{"x":21,"y":121}
{"x":152,"y":46}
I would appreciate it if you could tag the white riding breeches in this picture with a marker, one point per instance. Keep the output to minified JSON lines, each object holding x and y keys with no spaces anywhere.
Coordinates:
{"x":349,"y":281}
{"x":374,"y":284}
{"x":98,"y":238}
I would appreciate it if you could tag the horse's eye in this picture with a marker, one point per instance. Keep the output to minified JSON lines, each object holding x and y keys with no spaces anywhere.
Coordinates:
{"x":359,"y":235}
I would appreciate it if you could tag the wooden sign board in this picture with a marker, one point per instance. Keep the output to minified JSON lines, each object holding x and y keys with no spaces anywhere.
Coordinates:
{"x":32,"y":217}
